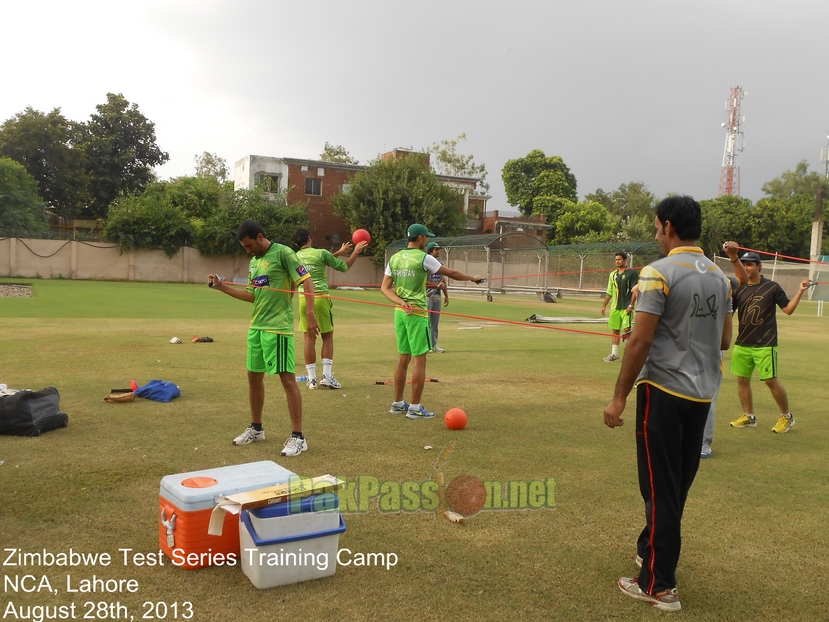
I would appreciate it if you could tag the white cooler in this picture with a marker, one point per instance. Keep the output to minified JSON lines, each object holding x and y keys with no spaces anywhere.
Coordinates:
{"x":292,"y":541}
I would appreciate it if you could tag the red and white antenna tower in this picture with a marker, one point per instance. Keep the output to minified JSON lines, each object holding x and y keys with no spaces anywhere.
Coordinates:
{"x":734,"y":143}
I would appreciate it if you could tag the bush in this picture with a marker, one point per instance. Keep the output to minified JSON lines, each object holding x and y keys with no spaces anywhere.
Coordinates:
{"x":148,"y":221}
{"x":217,"y":236}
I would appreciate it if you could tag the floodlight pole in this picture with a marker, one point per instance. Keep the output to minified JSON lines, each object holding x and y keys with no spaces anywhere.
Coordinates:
{"x":817,"y":224}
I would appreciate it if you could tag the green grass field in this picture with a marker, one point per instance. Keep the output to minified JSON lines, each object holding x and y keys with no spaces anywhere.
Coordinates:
{"x":755,"y":536}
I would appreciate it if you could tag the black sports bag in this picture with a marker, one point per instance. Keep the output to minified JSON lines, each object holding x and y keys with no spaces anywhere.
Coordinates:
{"x":29,"y":413}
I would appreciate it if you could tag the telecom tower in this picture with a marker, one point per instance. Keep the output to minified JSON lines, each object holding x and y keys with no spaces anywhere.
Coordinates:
{"x":730,"y":175}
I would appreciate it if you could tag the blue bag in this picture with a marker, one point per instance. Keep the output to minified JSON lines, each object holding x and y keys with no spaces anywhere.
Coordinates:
{"x":158,"y":390}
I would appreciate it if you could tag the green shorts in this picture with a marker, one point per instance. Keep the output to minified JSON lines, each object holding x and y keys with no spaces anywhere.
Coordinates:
{"x":413,"y":334}
{"x":620,"y":320}
{"x":323,"y":311}
{"x":744,"y":360}
{"x":270,"y":352}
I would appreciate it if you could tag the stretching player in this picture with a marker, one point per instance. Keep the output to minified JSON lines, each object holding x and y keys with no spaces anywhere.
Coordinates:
{"x":315,"y":260}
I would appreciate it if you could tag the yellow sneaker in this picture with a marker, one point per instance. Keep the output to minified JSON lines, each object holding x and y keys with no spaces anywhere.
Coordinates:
{"x":784,"y":424}
{"x":746,"y":421}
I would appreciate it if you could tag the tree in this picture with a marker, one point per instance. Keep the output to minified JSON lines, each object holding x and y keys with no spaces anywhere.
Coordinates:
{"x":120,"y":152}
{"x":389,"y":195}
{"x":448,"y":161}
{"x":536,"y":175}
{"x":197,"y":196}
{"x":217,"y":236}
{"x":148,"y":221}
{"x":629,"y":200}
{"x":46,"y":145}
{"x":211,"y":165}
{"x":579,"y":223}
{"x":336,"y":153}
{"x":22,"y":213}
{"x":725,"y":218}
{"x":797,"y":183}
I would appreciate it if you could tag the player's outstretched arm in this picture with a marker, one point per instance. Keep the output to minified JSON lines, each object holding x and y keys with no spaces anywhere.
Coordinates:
{"x":789,"y":308}
{"x":357,"y":250}
{"x":215,"y":281}
{"x":459,"y":276}
{"x":731,"y":249}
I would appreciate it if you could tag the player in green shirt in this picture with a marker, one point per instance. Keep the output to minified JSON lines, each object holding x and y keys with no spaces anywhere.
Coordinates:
{"x":622,"y":298}
{"x":273,"y":270}
{"x":404,"y":284}
{"x":315,"y":261}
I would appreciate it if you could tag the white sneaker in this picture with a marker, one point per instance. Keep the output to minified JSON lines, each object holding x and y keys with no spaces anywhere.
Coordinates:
{"x":438,"y":349}
{"x":399,"y":410}
{"x":330,"y":383}
{"x":294,"y":446}
{"x":312,"y":383}
{"x":248,"y":436}
{"x":611,"y":357}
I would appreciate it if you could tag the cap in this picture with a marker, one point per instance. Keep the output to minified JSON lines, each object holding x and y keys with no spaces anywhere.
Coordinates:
{"x":750,"y":257}
{"x":417,"y":229}
{"x":432,"y":246}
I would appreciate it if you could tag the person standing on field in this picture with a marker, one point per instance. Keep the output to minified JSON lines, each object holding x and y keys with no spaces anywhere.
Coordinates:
{"x":435,"y":285}
{"x":315,"y":261}
{"x":683,"y":321}
{"x":622,"y":296}
{"x":756,"y":344}
{"x":404,"y":284}
{"x":273,"y":269}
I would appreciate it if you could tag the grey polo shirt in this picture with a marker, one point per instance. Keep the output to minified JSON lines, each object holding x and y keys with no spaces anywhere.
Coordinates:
{"x":691,"y":296}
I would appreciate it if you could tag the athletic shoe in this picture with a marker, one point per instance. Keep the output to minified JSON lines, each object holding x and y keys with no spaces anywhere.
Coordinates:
{"x":611,"y":357}
{"x":438,"y":349}
{"x":422,"y":413}
{"x":399,"y":410}
{"x":705,"y":454}
{"x":312,"y":383}
{"x":248,"y":436}
{"x":294,"y":446}
{"x":638,"y":561}
{"x":746,"y":421}
{"x":666,"y":601}
{"x":329,"y":383}
{"x":784,"y":424}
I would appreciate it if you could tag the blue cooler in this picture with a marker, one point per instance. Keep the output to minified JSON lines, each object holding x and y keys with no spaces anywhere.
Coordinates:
{"x":292,"y":541}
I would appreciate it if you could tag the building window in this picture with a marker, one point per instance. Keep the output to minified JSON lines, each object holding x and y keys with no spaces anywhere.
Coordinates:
{"x":313,"y":187}
{"x":269,"y":183}
{"x":303,"y":168}
{"x":320,"y":172}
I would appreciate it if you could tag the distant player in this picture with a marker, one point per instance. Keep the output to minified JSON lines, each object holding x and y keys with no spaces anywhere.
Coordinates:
{"x":404,"y":284}
{"x":435,"y":286}
{"x":315,"y":261}
{"x":273,"y":268}
{"x":622,"y":298}
{"x":756,"y":344}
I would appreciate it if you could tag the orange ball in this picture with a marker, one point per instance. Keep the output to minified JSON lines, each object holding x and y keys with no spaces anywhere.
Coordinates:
{"x":361,"y":235}
{"x":455,"y":419}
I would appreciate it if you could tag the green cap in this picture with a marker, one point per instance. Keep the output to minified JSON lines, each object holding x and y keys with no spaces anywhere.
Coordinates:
{"x":417,"y":229}
{"x":432,"y":246}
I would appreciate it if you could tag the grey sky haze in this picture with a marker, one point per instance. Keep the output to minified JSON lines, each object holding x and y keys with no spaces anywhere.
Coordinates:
{"x":623,"y":91}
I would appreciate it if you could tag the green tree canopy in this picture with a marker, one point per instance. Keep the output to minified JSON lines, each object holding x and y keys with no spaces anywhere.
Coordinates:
{"x":336,"y":153}
{"x":389,"y":195}
{"x":211,"y":165}
{"x":22,"y":213}
{"x":148,"y":221}
{"x":629,"y":200}
{"x":797,"y":183}
{"x":580,"y":223}
{"x":217,"y":236}
{"x":448,"y":161}
{"x":536,"y":175}
{"x":46,"y":145}
{"x":120,"y":152}
{"x":725,"y":218}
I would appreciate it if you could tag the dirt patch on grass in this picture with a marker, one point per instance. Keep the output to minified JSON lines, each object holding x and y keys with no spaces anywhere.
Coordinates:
{"x":15,"y":291}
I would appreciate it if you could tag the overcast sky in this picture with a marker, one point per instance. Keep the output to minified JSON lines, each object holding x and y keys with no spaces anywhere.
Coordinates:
{"x":622,"y":90}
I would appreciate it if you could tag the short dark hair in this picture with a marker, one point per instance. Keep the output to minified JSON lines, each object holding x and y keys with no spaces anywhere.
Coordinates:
{"x":249,"y":229}
{"x":684,"y":213}
{"x":301,"y":237}
{"x":621,"y":254}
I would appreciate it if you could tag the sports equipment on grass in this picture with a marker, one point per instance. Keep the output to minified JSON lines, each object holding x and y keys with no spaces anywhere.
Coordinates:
{"x":361,"y":235}
{"x":455,"y":419}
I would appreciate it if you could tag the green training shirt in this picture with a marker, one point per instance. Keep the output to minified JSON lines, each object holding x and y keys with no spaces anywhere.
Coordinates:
{"x":275,"y":270}
{"x":620,"y":288}
{"x":315,"y":260}
{"x":409,"y":269}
